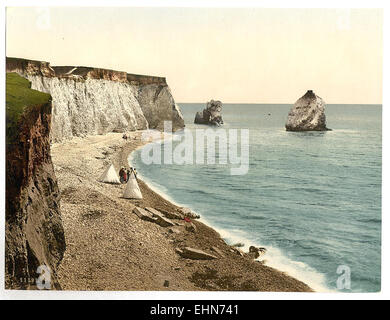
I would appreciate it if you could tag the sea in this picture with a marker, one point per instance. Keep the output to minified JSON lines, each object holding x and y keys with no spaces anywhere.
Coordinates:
{"x":313,"y":199}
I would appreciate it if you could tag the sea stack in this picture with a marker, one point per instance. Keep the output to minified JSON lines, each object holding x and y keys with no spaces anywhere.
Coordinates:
{"x":211,"y":115}
{"x":307,"y":114}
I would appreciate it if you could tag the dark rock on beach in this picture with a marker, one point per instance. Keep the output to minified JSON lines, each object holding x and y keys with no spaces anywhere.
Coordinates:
{"x":188,"y":213}
{"x":211,"y":115}
{"x":144,"y":214}
{"x":256,"y":252}
{"x":161,"y":219}
{"x":307,"y":114}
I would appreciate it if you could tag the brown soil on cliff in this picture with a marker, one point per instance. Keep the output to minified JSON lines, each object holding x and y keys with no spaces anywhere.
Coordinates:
{"x":110,"y":248}
{"x":34,"y":235}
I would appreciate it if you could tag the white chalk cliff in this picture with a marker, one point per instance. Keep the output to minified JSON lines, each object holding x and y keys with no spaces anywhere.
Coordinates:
{"x":88,"y":101}
{"x":307,"y":114}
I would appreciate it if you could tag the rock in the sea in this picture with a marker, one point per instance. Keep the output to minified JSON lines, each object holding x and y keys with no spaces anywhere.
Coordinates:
{"x":195,"y":254}
{"x":307,"y":114}
{"x":211,"y":114}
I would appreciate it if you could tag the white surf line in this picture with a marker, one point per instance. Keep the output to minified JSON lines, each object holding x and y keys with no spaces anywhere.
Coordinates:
{"x":276,"y":259}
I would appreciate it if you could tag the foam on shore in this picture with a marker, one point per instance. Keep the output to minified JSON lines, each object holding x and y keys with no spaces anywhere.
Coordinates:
{"x":274,"y":257}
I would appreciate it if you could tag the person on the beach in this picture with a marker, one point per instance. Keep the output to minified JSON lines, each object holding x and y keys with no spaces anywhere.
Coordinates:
{"x":132,"y":170}
{"x":135,"y":172}
{"x":122,"y":175}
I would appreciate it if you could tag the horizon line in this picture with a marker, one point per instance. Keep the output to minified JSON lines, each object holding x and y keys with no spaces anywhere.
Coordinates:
{"x":284,"y":103}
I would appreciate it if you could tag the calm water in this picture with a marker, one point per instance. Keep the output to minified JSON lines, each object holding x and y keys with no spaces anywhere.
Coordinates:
{"x":313,"y":199}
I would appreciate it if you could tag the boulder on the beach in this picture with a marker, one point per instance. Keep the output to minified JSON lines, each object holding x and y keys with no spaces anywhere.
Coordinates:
{"x":174,"y":230}
{"x":188,"y":213}
{"x":159,"y":218}
{"x":237,"y":251}
{"x":255,"y":252}
{"x":164,"y":222}
{"x":154,"y":212}
{"x":195,"y":254}
{"x":307,"y":114}
{"x":190,"y":226}
{"x":172,"y":215}
{"x":144,"y":214}
{"x":211,"y":114}
{"x":218,"y":251}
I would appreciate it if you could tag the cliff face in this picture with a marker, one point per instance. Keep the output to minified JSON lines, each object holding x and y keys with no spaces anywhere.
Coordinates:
{"x":34,"y":232}
{"x":158,"y":105}
{"x":96,"y":101}
{"x":307,"y":114}
{"x":90,"y":106}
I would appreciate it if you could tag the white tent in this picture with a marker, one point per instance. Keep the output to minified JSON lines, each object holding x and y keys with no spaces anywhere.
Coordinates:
{"x":132,"y":190}
{"x":109,"y":176}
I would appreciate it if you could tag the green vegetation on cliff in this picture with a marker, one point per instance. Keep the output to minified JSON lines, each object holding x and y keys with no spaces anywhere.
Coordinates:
{"x":19,"y":96}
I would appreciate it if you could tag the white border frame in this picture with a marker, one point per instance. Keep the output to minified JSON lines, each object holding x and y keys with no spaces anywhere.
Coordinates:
{"x":197,"y":295}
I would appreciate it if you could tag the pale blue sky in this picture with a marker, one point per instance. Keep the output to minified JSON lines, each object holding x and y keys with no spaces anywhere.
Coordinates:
{"x":235,"y":55}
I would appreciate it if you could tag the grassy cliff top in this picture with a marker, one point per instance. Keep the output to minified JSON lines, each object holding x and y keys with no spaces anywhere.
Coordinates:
{"x":19,"y":95}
